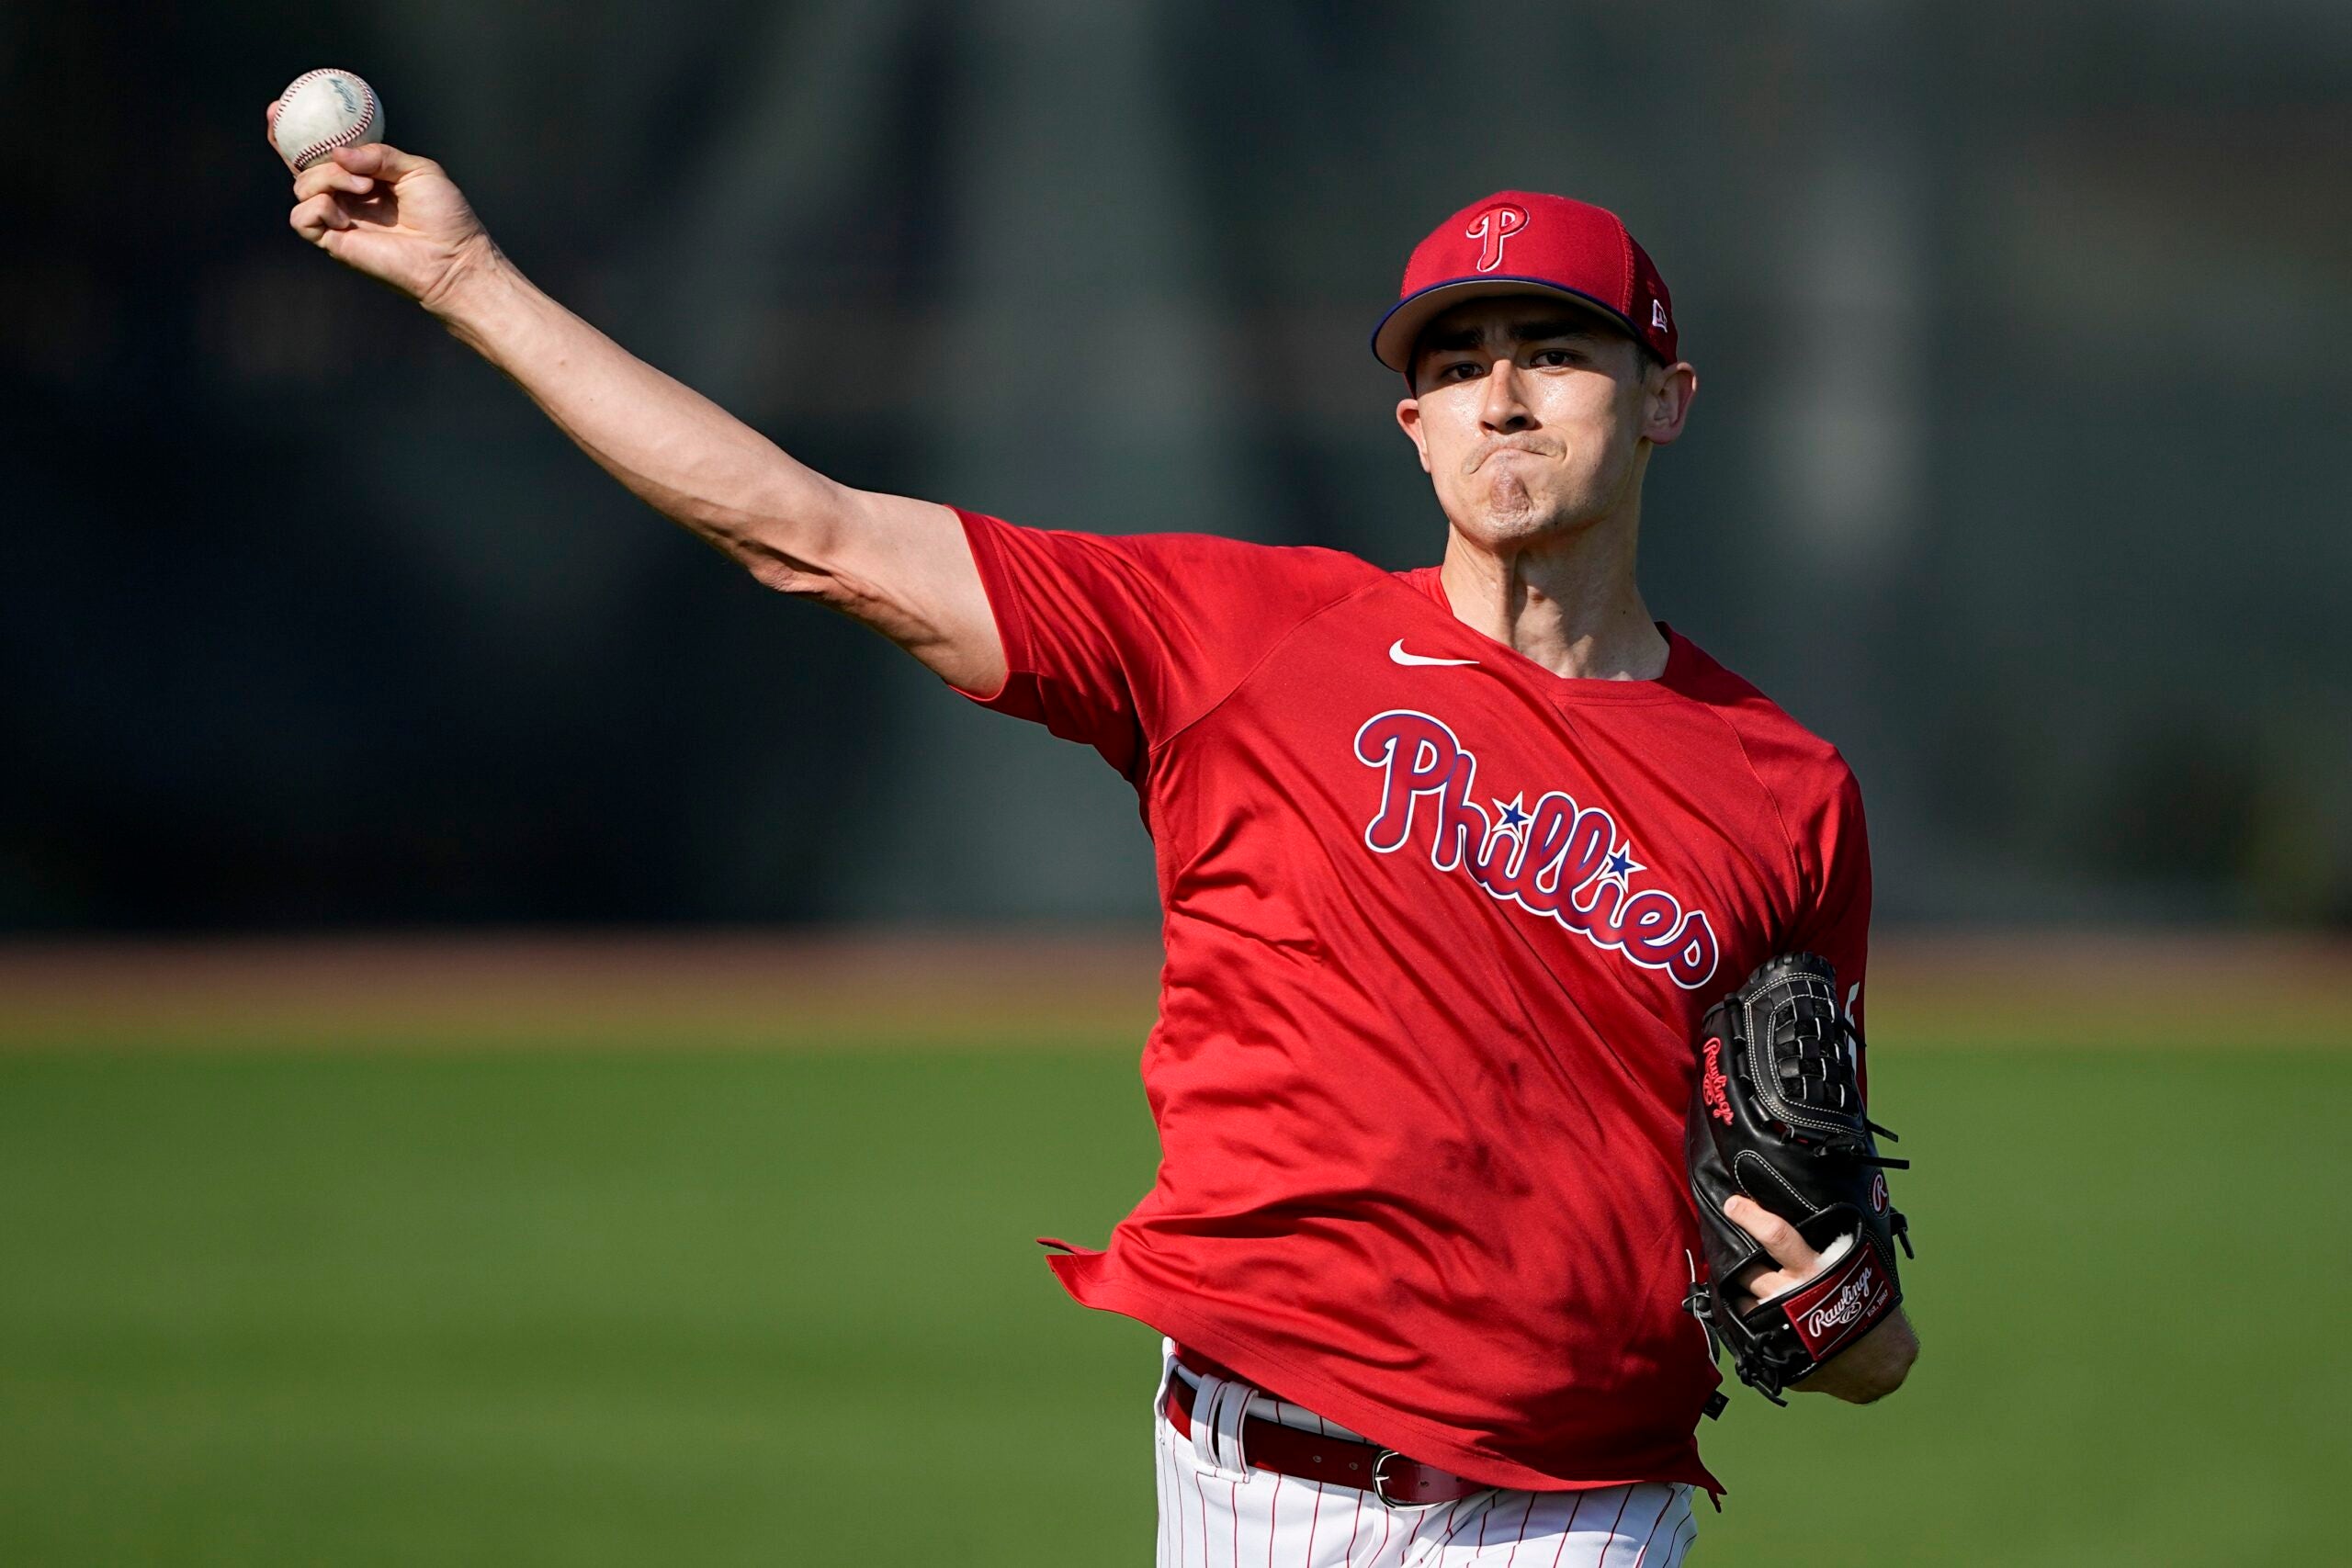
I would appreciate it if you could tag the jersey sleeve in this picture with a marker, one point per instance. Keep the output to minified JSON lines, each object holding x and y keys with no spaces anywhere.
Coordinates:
{"x":1119,"y":642}
{"x":1834,"y":858}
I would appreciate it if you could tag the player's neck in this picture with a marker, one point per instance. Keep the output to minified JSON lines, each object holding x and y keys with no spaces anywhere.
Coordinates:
{"x":1569,"y":603}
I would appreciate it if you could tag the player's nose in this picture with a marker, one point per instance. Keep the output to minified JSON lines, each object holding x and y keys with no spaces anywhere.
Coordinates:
{"x":1503,"y":409}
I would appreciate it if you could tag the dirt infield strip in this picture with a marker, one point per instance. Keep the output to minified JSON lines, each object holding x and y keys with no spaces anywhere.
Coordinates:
{"x":754,"y":990}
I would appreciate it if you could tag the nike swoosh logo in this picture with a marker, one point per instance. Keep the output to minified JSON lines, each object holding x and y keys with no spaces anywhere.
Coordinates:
{"x":1396,"y":651}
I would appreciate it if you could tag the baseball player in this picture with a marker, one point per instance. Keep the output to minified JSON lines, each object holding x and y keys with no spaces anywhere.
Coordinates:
{"x":1452,"y":861}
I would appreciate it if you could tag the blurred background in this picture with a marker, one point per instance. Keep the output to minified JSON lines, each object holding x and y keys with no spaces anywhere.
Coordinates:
{"x":518,"y":1045}
{"x":2025,"y":337}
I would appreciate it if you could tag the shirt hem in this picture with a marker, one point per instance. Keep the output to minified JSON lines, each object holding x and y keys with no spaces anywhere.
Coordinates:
{"x":1005,"y":608}
{"x":1080,"y":1275}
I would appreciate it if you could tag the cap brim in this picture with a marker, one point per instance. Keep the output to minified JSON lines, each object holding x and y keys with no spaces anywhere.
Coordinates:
{"x":1393,"y":339}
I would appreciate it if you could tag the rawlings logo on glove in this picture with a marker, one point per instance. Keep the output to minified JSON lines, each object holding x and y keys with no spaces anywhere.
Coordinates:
{"x":1776,"y":1116}
{"x":1711,"y":1083}
{"x":1857,"y":1296}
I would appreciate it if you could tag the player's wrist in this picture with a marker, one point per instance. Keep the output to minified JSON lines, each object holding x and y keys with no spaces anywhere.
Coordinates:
{"x":476,"y":276}
{"x":1872,"y":1368}
{"x":477,"y":288}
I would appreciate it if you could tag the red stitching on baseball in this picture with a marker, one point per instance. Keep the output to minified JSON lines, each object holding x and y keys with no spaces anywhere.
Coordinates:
{"x":349,"y":133}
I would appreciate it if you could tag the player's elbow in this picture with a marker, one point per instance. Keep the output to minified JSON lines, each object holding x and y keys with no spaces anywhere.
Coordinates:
{"x":791,"y":556}
{"x":787,"y":534}
{"x":785,"y":574}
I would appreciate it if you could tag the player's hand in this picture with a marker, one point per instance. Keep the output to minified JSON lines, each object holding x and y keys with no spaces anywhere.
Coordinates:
{"x":1797,"y":1256}
{"x":1873,"y":1365}
{"x":391,"y":215}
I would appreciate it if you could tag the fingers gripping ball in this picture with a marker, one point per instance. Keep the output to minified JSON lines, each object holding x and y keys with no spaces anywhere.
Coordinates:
{"x":1776,"y":1118}
{"x":321,"y":110}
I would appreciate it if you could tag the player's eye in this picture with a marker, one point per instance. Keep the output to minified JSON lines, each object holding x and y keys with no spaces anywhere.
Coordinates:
{"x":1548,"y":357}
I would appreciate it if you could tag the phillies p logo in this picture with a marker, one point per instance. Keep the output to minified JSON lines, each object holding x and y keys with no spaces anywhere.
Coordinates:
{"x":1490,"y":229}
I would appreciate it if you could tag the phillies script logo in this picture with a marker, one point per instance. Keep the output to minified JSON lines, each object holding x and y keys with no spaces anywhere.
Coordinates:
{"x":1555,"y":859}
{"x":1712,"y":1086}
{"x":1490,"y":229}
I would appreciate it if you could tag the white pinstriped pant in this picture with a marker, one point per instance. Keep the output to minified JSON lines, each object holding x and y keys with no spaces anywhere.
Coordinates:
{"x":1215,"y":1517}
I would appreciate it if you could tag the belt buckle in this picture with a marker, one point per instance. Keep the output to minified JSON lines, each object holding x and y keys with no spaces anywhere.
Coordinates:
{"x":1380,"y":1480}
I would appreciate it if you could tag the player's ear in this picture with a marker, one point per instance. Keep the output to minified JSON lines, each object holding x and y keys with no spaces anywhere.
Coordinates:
{"x":1409,"y":418}
{"x":1666,"y":401}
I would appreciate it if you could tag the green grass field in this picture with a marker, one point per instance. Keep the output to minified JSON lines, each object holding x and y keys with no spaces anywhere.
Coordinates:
{"x":719,"y":1308}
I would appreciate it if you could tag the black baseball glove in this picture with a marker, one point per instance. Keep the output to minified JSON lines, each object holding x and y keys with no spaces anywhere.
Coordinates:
{"x":1777,"y":1115}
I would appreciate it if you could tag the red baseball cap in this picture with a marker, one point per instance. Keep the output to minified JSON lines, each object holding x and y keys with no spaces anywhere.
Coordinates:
{"x":1518,"y":241}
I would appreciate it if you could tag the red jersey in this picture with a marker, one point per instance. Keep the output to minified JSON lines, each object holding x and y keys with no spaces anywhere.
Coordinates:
{"x":1440,"y":927}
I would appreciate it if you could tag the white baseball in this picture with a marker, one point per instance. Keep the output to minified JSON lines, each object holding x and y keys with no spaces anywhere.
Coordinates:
{"x":321,"y":110}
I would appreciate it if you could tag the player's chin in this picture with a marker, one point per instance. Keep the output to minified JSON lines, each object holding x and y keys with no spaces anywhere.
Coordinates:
{"x":1509,"y":517}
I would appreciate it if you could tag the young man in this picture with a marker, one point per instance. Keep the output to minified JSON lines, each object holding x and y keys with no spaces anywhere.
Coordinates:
{"x":1453,"y":862}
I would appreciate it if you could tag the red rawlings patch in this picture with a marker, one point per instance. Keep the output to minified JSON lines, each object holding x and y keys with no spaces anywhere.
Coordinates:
{"x":1712,"y":1086}
{"x":1840,"y":1304}
{"x":1878,"y":1191}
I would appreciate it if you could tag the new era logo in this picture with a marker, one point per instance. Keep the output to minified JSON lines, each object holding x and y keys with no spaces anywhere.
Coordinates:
{"x":1658,"y":314}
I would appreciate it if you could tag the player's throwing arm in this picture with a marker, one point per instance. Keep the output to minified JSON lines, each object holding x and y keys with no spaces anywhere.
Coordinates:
{"x":899,"y":564}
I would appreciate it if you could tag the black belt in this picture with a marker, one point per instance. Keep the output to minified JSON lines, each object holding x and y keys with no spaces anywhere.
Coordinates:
{"x":1338,"y":1461}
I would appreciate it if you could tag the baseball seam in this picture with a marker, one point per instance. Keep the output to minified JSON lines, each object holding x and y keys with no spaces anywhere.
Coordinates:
{"x":312,"y":152}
